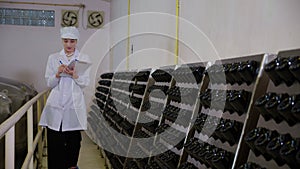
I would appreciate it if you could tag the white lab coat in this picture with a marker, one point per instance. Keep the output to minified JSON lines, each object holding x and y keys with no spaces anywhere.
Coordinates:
{"x":65,"y":105}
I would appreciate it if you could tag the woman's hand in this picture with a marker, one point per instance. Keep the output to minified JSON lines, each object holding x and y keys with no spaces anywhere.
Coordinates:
{"x":60,"y":69}
{"x":71,"y":72}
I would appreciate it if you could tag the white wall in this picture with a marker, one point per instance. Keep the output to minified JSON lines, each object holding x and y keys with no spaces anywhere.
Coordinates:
{"x":144,"y":37}
{"x":235,"y":28}
{"x":24,"y":49}
{"x":210,"y":30}
{"x":238,"y":28}
{"x":152,"y":33}
{"x":118,"y":33}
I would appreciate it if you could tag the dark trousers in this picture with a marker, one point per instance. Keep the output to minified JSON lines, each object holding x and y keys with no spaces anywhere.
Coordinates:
{"x":63,"y":148}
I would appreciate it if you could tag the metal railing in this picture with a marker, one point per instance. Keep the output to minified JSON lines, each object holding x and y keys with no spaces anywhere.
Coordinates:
{"x":7,"y":128}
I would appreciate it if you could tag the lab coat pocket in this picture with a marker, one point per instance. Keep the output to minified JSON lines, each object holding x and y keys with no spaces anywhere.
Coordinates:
{"x":54,"y":99}
{"x":78,"y":100}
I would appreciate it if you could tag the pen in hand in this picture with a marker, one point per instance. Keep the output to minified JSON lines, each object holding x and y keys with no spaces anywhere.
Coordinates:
{"x":61,"y":65}
{"x":61,"y":69}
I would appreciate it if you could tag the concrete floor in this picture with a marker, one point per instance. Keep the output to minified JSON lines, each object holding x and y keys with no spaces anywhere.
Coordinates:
{"x":89,"y":157}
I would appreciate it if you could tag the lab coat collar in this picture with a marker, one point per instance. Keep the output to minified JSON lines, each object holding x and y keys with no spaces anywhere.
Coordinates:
{"x":76,"y":53}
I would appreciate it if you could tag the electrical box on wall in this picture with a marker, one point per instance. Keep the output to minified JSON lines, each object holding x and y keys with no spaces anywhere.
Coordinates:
{"x":69,"y":18}
{"x":95,"y":19}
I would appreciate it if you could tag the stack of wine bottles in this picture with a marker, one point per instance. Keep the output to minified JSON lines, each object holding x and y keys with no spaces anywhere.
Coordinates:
{"x":181,"y":116}
{"x":152,"y":165}
{"x":284,"y":70}
{"x":233,"y":73}
{"x":225,"y":130}
{"x":250,"y":165}
{"x":167,"y":160}
{"x":187,"y":165}
{"x":190,"y":73}
{"x":209,"y":155}
{"x":171,"y":108}
{"x":235,"y":100}
{"x":279,"y":107}
{"x":282,"y":148}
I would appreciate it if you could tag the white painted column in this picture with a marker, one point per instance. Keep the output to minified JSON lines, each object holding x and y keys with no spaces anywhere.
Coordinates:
{"x":30,"y":134}
{"x":10,"y":148}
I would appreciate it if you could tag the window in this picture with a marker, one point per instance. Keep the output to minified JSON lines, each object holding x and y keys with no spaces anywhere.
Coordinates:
{"x":27,"y":17}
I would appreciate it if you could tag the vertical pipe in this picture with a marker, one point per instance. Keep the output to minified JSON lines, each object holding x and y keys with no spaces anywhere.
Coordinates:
{"x":30,"y":134}
{"x":45,"y":99}
{"x":10,"y":148}
{"x":177,"y":32}
{"x":128,"y":35}
{"x":39,"y":109}
{"x":111,"y":60}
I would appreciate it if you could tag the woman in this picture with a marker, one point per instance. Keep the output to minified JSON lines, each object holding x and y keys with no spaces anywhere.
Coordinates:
{"x":64,"y":114}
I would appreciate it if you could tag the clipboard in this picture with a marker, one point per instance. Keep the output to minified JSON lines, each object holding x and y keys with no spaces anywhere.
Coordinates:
{"x":79,"y":66}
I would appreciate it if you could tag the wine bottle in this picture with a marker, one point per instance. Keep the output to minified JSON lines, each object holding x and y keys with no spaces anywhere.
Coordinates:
{"x":295,"y":67}
{"x":296,"y":110}
{"x":274,"y":146}
{"x":210,"y":154}
{"x":210,"y":125}
{"x":288,"y":152}
{"x":285,"y":107}
{"x":239,"y":101}
{"x":260,"y":105}
{"x":271,"y":106}
{"x":250,"y":165}
{"x":252,"y":136}
{"x":247,"y":71}
{"x":270,"y":70}
{"x":261,"y":142}
{"x":282,"y":69}
{"x":205,"y":98}
{"x":222,"y":160}
{"x":234,"y":72}
{"x":231,"y":131}
{"x":217,"y":133}
{"x":228,"y":106}
{"x":228,"y":74}
{"x":201,"y":155}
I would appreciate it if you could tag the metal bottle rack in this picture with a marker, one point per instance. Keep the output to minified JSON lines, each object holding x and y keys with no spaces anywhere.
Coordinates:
{"x":123,"y":98}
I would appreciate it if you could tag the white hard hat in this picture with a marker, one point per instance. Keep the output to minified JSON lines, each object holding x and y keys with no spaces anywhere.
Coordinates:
{"x":69,"y":33}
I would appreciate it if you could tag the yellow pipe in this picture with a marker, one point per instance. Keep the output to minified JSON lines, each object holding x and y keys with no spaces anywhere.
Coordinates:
{"x":39,"y":109}
{"x":128,"y":36}
{"x":40,"y":3}
{"x":111,"y":63}
{"x":177,"y":32}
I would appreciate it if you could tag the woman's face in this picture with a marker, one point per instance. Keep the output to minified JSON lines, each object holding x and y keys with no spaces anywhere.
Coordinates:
{"x":69,"y":45}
